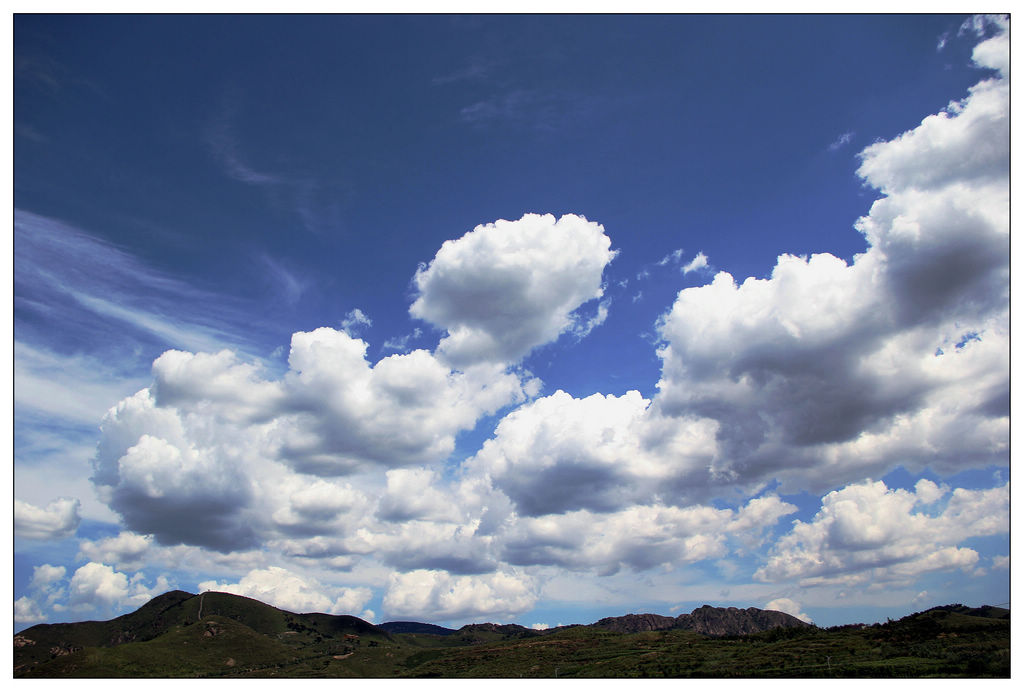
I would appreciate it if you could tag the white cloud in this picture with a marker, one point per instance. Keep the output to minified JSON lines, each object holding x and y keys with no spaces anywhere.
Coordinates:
{"x":27,"y":611}
{"x":74,"y":389}
{"x":994,"y":53}
{"x":167,"y":330}
{"x":181,"y":494}
{"x":96,"y":584}
{"x":457,"y":548}
{"x":638,"y":537}
{"x":867,"y":532}
{"x":505,"y":288}
{"x":928,"y":492}
{"x":672,"y":257}
{"x":433,"y":595}
{"x":205,"y":455}
{"x":319,"y":507}
{"x":822,"y":374}
{"x":588,"y":325}
{"x":354,"y":320}
{"x":789,"y":606}
{"x":127,"y":550}
{"x":217,"y":381}
{"x":826,"y":372}
{"x":59,"y":520}
{"x":700,"y":261}
{"x":98,"y":589}
{"x":601,"y":453}
{"x":45,"y":576}
{"x":980,"y":24}
{"x":968,"y":142}
{"x":75,"y":283}
{"x":401,"y":343}
{"x":412,"y":494}
{"x":758,"y":516}
{"x":406,"y":409}
{"x":296,"y":593}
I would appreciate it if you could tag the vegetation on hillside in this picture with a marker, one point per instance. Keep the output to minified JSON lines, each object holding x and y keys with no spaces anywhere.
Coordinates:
{"x":219,"y":635}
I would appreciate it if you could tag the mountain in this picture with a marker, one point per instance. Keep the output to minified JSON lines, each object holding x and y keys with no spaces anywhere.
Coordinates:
{"x":646,"y":622}
{"x":985,"y":611}
{"x":404,"y":627}
{"x":218,"y":635}
{"x":488,"y":632}
{"x":708,"y":620}
{"x":266,"y":634}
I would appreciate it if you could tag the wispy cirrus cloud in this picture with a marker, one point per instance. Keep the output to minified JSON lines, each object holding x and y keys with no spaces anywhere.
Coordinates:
{"x":315,"y":203}
{"x":355,"y":320}
{"x":89,"y":319}
{"x":841,"y":141}
{"x":290,"y":287}
{"x":223,"y":143}
{"x":540,"y":109}
{"x":672,"y":257}
{"x":477,"y":70}
{"x":401,"y":343}
{"x":67,"y":277}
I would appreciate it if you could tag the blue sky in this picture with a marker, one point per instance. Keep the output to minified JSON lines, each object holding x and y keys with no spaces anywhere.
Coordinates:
{"x":511,"y":318}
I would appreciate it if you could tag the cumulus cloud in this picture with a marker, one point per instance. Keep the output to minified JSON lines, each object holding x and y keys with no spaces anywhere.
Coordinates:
{"x":58,"y":520}
{"x":26,"y":610}
{"x":822,"y":374}
{"x":289,"y":591}
{"x":405,"y":409}
{"x":434,"y":595}
{"x":505,"y":288}
{"x":127,"y":550}
{"x":456,"y":548}
{"x":46,"y":590}
{"x":413,"y":494}
{"x":219,"y":382}
{"x":828,"y":371}
{"x":789,"y":606}
{"x":319,"y":507}
{"x":95,"y":582}
{"x":45,"y":576}
{"x":639,"y":537}
{"x":197,"y":457}
{"x":868,"y":532}
{"x":600,"y":453}
{"x":163,"y":484}
{"x":98,"y":590}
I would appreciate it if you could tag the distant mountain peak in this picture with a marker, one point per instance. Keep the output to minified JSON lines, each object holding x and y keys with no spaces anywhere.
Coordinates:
{"x":710,"y":620}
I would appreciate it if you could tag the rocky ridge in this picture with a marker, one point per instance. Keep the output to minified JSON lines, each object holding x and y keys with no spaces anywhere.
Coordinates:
{"x":709,"y":620}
